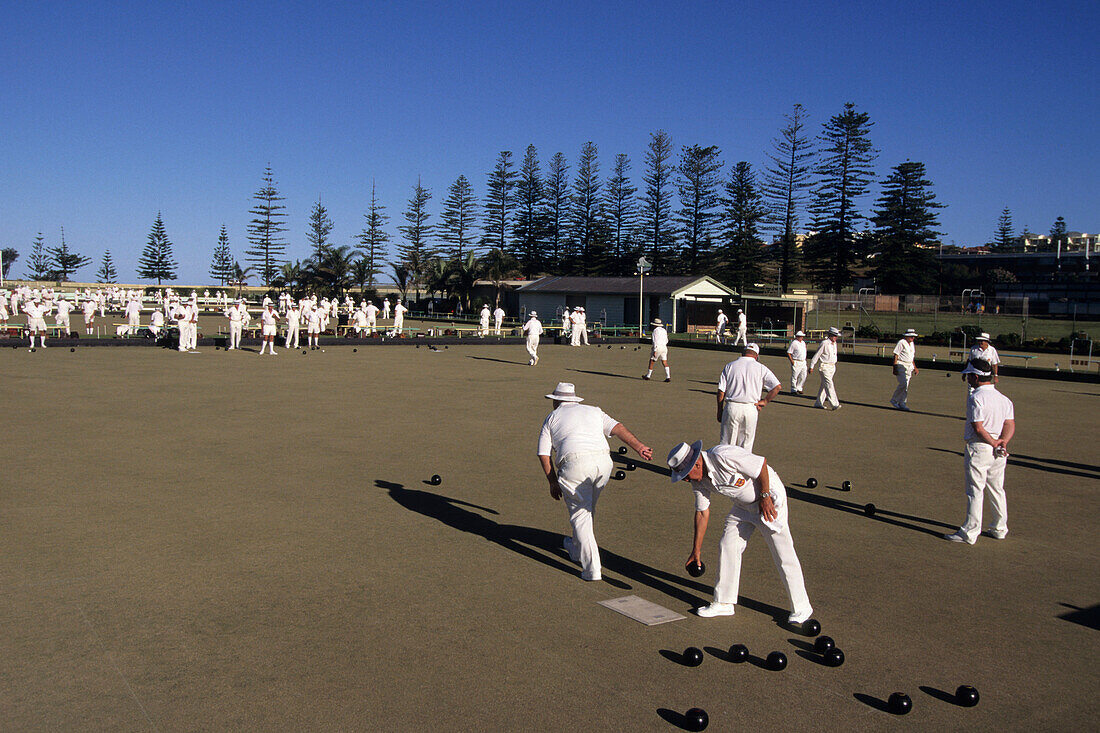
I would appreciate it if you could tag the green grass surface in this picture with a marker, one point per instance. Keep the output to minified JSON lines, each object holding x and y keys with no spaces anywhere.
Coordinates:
{"x":220,"y":541}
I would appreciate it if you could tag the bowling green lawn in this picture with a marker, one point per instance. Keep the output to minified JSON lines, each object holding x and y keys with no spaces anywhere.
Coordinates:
{"x":222,"y":541}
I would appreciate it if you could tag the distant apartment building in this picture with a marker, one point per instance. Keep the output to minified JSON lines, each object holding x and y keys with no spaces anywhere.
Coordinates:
{"x":1070,"y":242}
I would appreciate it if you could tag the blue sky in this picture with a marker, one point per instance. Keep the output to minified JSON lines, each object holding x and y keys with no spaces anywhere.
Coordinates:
{"x":111,"y":112}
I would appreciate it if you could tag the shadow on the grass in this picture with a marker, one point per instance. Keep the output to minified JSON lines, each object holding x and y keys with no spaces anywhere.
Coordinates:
{"x":875,"y":702}
{"x":545,"y":547}
{"x":1088,"y":617}
{"x":603,"y":374}
{"x":502,"y":361}
{"x":880,"y":515}
{"x":640,"y":463}
{"x":1036,"y":464}
{"x":889,"y":408}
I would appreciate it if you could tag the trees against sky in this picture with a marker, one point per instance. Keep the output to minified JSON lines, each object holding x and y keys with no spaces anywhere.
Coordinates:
{"x":416,"y":251}
{"x":156,"y":261}
{"x":459,"y":218}
{"x":1004,"y":236}
{"x":8,"y":255}
{"x":741,"y":253}
{"x":498,"y":202}
{"x":530,"y":224}
{"x":905,"y":222}
{"x":699,"y":176}
{"x":622,"y":218}
{"x":844,"y":174}
{"x":586,"y":213}
{"x":63,"y":261}
{"x":318,"y":230}
{"x":786,"y":183}
{"x":373,"y":238}
{"x":39,"y":262}
{"x":656,"y":211}
{"x":556,"y":190}
{"x":264,"y":231}
{"x":221,"y":266}
{"x":106,"y":272}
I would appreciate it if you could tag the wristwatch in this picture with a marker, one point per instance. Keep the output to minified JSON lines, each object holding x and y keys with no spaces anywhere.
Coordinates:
{"x":765,"y":495}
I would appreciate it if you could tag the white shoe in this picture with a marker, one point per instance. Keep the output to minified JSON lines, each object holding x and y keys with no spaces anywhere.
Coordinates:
{"x":797,"y":618}
{"x":716,"y":609}
{"x":957,"y":537}
{"x":995,"y":534}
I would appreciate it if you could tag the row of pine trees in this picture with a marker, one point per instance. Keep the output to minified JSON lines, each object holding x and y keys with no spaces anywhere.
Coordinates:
{"x":692,"y":215}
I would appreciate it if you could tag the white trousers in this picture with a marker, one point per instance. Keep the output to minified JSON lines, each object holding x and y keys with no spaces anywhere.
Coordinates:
{"x":371,"y":325}
{"x":291,"y":341}
{"x":483,"y":328}
{"x":575,"y":336}
{"x":496,"y":326}
{"x":235,"y":328}
{"x":740,"y":524}
{"x":798,"y":376}
{"x":985,"y":474}
{"x":739,"y":424}
{"x":904,"y":372}
{"x":533,"y":348}
{"x":398,"y":324}
{"x":826,"y":395}
{"x":581,"y":477}
{"x":742,"y":337}
{"x":584,"y":335}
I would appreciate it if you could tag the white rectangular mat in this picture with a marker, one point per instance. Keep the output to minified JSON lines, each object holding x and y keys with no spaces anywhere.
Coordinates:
{"x":642,"y":610}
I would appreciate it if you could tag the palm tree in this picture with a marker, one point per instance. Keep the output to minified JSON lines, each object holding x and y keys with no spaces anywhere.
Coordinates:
{"x":290,"y":277}
{"x":401,"y":279}
{"x":498,"y":266}
{"x":437,"y":276}
{"x":361,"y":274}
{"x":464,"y":275}
{"x":331,"y":270}
{"x":240,"y":276}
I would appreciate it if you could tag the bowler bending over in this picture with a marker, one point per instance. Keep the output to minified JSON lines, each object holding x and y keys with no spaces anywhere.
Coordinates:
{"x":759,"y":502}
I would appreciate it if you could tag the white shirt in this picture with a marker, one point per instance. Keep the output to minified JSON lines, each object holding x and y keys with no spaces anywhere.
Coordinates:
{"x":905,"y":352}
{"x":293,"y":315}
{"x":797,"y":350}
{"x":157,"y":319}
{"x":498,"y":314}
{"x":575,"y":428}
{"x":722,"y":321}
{"x":313,"y":319}
{"x":730,"y":471}
{"x":89,"y":307}
{"x":33,"y":310}
{"x":743,"y":380}
{"x":485,"y":315}
{"x":133,"y":309}
{"x":360,"y":318}
{"x":269,"y":317}
{"x":372,"y":311}
{"x":989,"y":354}
{"x":235,"y":313}
{"x":660,"y":337}
{"x":533,"y":327}
{"x":826,"y":353}
{"x":989,"y":407}
{"x":742,"y":320}
{"x":64,"y":308}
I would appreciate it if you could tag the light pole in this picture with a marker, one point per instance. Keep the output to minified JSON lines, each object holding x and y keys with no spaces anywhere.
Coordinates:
{"x":644,"y":266}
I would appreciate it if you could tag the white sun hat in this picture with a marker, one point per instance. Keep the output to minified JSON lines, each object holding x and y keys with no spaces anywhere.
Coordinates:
{"x":564,"y":392}
{"x":834,"y":331}
{"x":910,"y":332}
{"x":682,"y":458}
{"x":983,"y":336}
{"x":800,"y":333}
{"x":752,"y":347}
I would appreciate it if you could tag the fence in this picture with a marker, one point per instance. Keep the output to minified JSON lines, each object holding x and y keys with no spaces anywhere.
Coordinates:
{"x":1006,"y":319}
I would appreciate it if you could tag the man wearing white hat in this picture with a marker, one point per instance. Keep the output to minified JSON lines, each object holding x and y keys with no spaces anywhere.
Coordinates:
{"x":156,"y":322}
{"x":89,"y":314}
{"x":905,"y":354}
{"x":386,"y":308}
{"x":36,"y":320}
{"x":61,"y":318}
{"x":826,"y":358}
{"x":577,"y":435}
{"x":660,"y":350}
{"x":532,"y":330}
{"x":990,"y":424}
{"x":720,"y":326}
{"x":796,"y":355}
{"x":235,"y":314}
{"x":313,"y":327}
{"x":742,"y":329}
{"x":983,"y":349}
{"x":133,"y":316}
{"x":483,"y":321}
{"x":372,"y":317}
{"x":399,"y":312}
{"x":759,"y":502}
{"x":293,"y":324}
{"x":269,"y":326}
{"x":584,"y":327}
{"x":575,"y":327}
{"x":739,"y":402}
{"x":498,"y":320}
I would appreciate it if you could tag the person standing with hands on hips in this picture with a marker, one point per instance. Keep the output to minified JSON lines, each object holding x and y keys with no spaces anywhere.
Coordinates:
{"x":796,"y":355}
{"x":739,"y":402}
{"x":826,"y":358}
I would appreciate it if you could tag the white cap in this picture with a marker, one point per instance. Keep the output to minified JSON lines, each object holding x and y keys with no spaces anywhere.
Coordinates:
{"x":533,"y":313}
{"x":752,"y":347}
{"x":800,"y":333}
